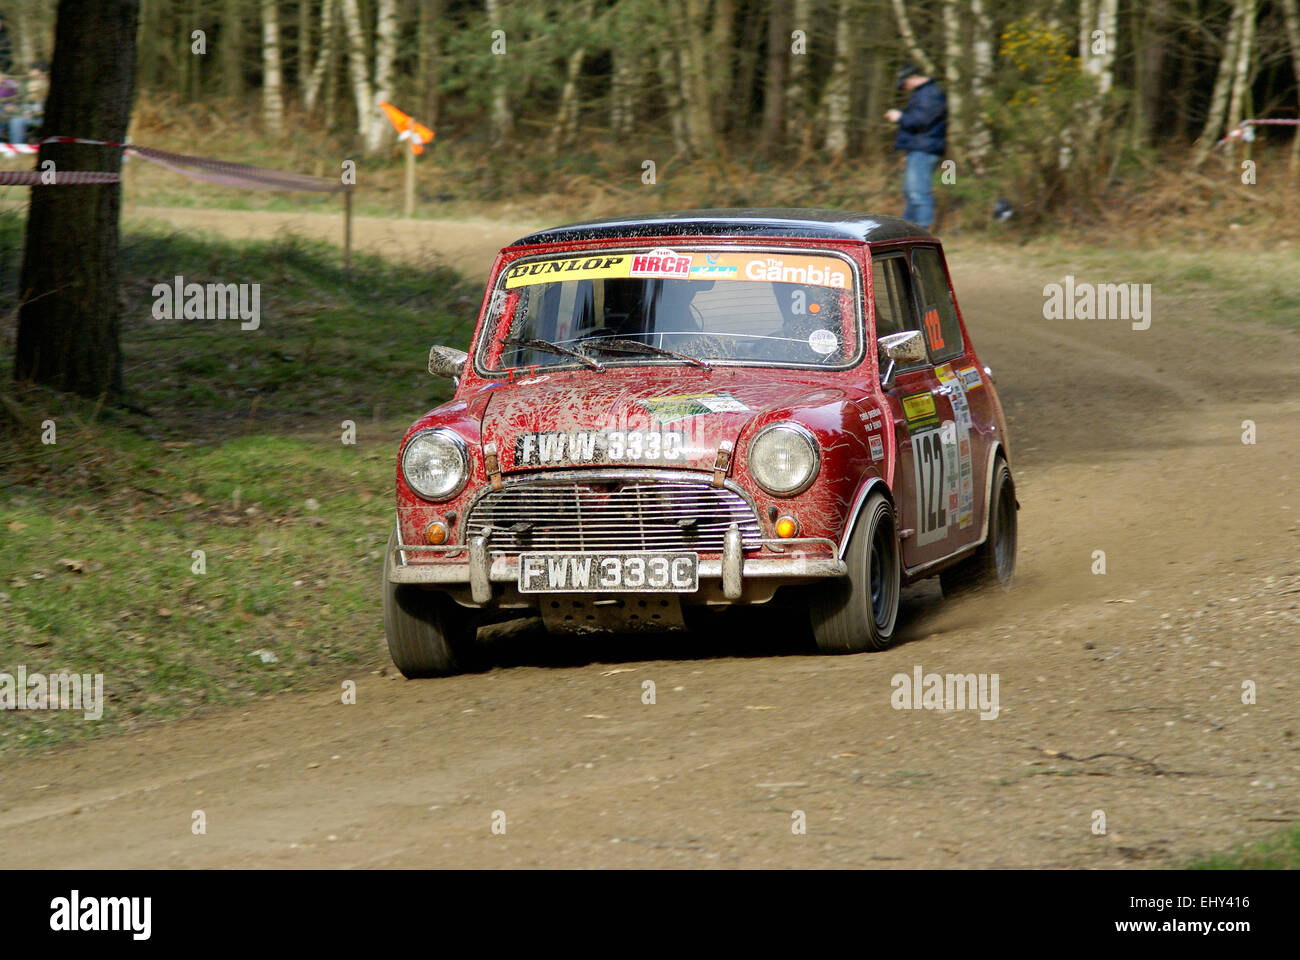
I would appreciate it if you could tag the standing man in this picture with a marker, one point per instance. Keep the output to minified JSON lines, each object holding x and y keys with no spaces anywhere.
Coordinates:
{"x":923,"y":135}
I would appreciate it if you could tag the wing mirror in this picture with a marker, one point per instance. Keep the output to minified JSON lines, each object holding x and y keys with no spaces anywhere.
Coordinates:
{"x":900,"y":349}
{"x":447,"y":362}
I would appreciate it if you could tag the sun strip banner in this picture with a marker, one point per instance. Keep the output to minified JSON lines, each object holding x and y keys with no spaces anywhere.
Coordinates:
{"x":662,"y":263}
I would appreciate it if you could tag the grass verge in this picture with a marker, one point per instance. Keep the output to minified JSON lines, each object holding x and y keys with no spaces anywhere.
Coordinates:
{"x":217,"y":540}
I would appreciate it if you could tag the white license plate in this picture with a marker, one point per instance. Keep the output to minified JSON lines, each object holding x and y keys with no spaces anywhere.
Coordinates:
{"x":609,"y":572}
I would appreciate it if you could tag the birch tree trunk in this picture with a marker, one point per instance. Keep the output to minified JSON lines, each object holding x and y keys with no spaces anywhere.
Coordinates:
{"x":909,"y":39}
{"x":622,"y":83}
{"x":272,"y":92}
{"x":796,"y":91}
{"x":778,"y":40}
{"x":381,"y":131}
{"x":981,"y":80}
{"x":1219,"y":97}
{"x":1291,"y":13}
{"x":324,"y":57}
{"x":566,"y":118}
{"x":502,"y":119}
{"x":1241,"y":73}
{"x":952,"y":56}
{"x":835,"y":98}
{"x":358,"y":73}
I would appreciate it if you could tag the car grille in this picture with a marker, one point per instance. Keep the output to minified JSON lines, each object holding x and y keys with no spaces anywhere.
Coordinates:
{"x":613,"y":516}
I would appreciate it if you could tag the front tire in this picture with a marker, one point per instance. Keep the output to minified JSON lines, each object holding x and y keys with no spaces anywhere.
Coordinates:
{"x":859,"y":612}
{"x":994,"y":562}
{"x":429,"y":634}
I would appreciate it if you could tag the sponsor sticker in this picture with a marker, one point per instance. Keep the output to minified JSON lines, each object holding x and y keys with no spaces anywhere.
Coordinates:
{"x":661,"y":263}
{"x":683,"y":405}
{"x":919,"y":410}
{"x":965,"y":509}
{"x":598,"y":446}
{"x":809,"y":271}
{"x":877,"y":447}
{"x":566,"y":268}
{"x":823,"y":342}
{"x":971,"y":377}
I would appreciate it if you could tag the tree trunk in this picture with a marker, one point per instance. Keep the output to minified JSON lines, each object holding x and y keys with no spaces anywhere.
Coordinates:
{"x":695,"y":76}
{"x":722,"y":53}
{"x":304,"y":44}
{"x":622,"y":82}
{"x":232,"y":49}
{"x":430,"y":49}
{"x":381,"y":131}
{"x":778,"y":46}
{"x":503,"y":122}
{"x":272,"y":93}
{"x":1292,"y":15}
{"x":672,"y":87}
{"x":324,"y":57}
{"x":566,"y":117}
{"x":797,"y":120}
{"x":981,"y":80}
{"x":1219,"y":98}
{"x":740,"y":101}
{"x":909,"y":39}
{"x":1241,"y":72}
{"x":358,"y":72}
{"x":952,"y":57}
{"x":836,"y":97}
{"x":68,"y":315}
{"x":1150,"y":61}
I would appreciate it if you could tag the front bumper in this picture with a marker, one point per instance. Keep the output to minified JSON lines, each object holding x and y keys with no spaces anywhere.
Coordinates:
{"x":728,"y":578}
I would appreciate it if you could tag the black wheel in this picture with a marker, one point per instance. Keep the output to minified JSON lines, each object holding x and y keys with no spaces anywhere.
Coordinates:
{"x":429,"y":634}
{"x":995,"y":560}
{"x":858,"y":612}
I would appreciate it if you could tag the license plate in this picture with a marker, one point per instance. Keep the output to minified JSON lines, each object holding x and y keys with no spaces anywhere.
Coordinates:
{"x":609,"y":572}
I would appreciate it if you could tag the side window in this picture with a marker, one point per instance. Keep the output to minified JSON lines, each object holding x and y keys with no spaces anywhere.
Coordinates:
{"x":893,"y":293}
{"x":938,"y":314}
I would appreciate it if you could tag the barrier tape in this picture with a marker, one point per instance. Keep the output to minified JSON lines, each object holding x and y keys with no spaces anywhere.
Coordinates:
{"x":1242,"y":132}
{"x":205,"y":169}
{"x":35,"y":178}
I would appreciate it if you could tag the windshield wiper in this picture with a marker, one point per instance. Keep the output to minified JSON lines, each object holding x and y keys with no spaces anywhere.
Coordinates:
{"x":631,"y":346}
{"x":554,"y":348}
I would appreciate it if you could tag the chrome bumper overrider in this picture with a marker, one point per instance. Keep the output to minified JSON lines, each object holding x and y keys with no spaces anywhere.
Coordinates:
{"x":474,"y":564}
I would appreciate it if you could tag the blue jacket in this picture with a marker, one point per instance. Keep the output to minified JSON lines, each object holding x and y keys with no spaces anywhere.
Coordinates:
{"x":924,"y":123}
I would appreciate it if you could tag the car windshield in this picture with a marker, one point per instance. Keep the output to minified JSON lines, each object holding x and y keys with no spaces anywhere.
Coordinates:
{"x":763,"y":307}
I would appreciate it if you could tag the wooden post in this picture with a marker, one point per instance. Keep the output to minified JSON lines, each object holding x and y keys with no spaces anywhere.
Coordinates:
{"x":347,"y":229}
{"x":410,"y":181}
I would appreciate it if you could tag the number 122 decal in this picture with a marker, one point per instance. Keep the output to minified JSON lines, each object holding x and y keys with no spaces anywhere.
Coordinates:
{"x":934,"y":481}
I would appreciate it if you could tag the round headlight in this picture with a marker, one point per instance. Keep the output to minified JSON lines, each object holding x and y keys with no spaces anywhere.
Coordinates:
{"x":435,"y":464}
{"x":784,"y":459}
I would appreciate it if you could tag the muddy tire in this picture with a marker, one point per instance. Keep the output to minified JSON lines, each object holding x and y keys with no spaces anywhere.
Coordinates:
{"x":429,"y":634}
{"x":994,"y":562}
{"x":859,"y":612}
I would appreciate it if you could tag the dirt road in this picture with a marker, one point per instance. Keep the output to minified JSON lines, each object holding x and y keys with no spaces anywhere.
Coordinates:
{"x":1120,"y":693}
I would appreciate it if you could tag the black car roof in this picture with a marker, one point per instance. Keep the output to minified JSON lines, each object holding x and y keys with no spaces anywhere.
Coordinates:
{"x":750,"y":222}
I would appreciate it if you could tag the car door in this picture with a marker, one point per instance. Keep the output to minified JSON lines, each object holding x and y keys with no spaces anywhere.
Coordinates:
{"x":955,"y":369}
{"x":925,"y":480}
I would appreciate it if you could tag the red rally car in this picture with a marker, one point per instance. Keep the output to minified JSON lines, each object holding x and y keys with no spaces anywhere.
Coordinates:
{"x":685,"y":410}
